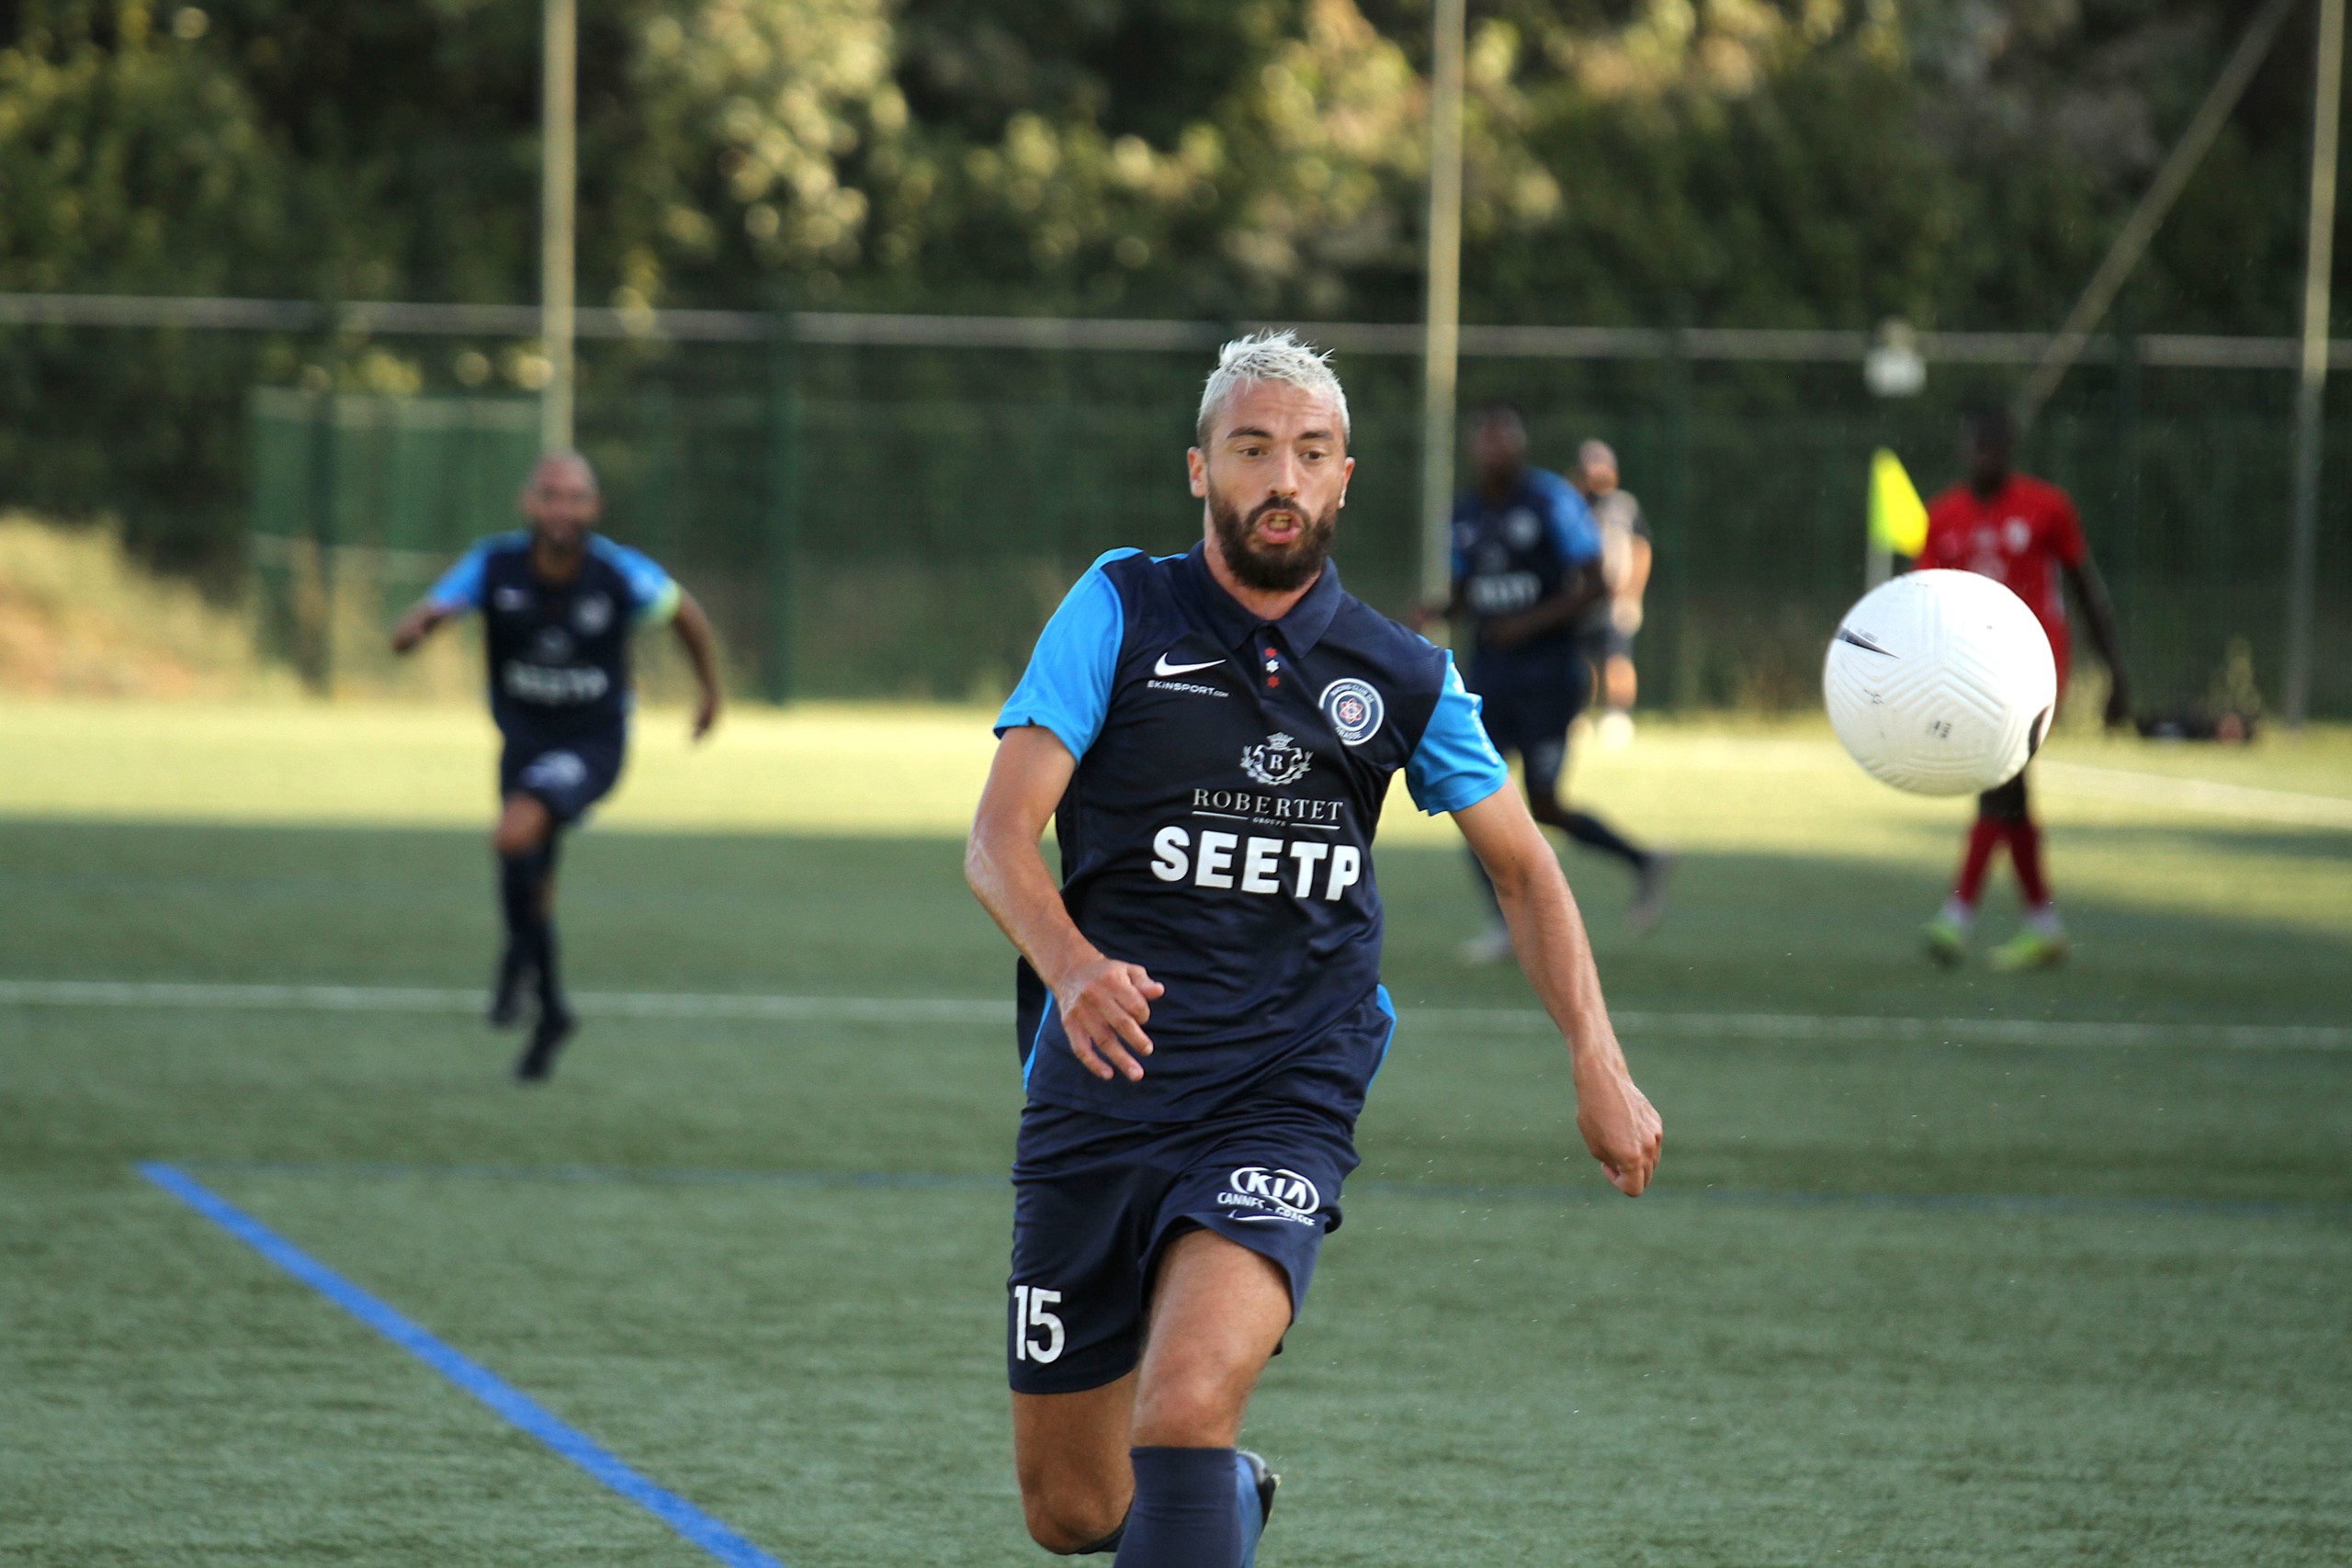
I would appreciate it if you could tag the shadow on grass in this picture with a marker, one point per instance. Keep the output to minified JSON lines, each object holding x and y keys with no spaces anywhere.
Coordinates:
{"x":1747,"y":933}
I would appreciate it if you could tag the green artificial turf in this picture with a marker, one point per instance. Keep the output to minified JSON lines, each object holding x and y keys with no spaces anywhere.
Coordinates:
{"x":1893,"y":1301}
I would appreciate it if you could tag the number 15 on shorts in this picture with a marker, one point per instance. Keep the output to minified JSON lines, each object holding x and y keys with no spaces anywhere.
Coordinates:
{"x":1036,"y":1333}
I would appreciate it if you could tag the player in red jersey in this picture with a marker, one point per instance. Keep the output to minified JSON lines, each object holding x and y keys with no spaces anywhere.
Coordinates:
{"x":2022,"y":532}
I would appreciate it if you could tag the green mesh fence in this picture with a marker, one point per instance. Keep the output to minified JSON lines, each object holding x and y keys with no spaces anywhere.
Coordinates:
{"x":898,"y":522}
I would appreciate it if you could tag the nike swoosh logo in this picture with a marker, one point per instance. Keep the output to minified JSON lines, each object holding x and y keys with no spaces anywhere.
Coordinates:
{"x":1862,"y":642}
{"x":1164,"y":668}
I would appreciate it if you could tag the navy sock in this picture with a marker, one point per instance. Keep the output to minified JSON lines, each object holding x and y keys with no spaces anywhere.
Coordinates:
{"x":1594,"y":833}
{"x":1186,"y":1512}
{"x":530,"y":935}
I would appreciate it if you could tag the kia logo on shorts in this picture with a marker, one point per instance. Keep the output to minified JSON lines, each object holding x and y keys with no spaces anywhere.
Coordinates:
{"x":1286,"y":1189}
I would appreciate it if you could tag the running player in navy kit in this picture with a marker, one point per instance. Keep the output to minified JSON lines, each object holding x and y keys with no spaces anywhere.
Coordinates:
{"x":1201,"y":1013}
{"x":558,"y":603}
{"x":1527,"y":565}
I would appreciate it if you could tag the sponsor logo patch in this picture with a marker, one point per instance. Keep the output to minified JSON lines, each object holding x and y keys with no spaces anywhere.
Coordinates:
{"x":1163,"y":668}
{"x":1354,"y":708}
{"x":556,"y":771}
{"x":1274,"y":1193}
{"x":593,"y":613}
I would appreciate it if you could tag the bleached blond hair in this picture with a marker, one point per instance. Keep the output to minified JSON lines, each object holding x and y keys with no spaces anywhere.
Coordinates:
{"x":1268,"y":356}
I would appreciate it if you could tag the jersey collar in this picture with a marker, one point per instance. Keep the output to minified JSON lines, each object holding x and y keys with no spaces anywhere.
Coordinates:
{"x":1233,"y":624}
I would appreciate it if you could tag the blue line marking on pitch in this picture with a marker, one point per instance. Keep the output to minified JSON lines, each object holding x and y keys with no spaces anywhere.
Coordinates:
{"x":512,"y":1405}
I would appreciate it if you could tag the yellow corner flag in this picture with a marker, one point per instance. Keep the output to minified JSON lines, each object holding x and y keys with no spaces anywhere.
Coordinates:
{"x":1898,"y":520}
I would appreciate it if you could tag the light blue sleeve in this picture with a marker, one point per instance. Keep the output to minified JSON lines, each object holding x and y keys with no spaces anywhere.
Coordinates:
{"x":654,"y":592}
{"x":1067,"y":688}
{"x":1574,"y":532}
{"x":1455,"y":764}
{"x":460,"y":588}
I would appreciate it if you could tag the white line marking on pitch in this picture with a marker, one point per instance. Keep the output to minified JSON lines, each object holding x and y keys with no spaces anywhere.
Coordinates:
{"x":2201,"y":794}
{"x":753,"y":1007}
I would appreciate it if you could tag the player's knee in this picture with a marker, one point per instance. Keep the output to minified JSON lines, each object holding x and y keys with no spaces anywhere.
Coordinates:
{"x":1064,"y":1519}
{"x":522,"y":828}
{"x":1199,"y":1408}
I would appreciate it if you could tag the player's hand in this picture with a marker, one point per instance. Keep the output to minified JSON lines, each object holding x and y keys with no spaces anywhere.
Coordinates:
{"x":415,"y":626}
{"x":1105,"y":1006}
{"x":1620,"y":1127}
{"x":1504,"y":633}
{"x":706,"y":714}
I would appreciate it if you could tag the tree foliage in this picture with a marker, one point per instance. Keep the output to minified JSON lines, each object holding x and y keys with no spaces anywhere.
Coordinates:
{"x":1962,"y":163}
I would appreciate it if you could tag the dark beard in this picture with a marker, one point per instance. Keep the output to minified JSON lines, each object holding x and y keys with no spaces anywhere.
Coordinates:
{"x":1274,"y":571}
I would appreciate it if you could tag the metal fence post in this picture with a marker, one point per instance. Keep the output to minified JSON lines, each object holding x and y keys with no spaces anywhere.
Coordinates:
{"x":2311,"y":384}
{"x":783,"y":475}
{"x":1688,"y":652}
{"x":314,"y":631}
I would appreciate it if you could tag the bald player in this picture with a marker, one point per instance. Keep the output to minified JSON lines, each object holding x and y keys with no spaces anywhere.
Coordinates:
{"x":558,"y":603}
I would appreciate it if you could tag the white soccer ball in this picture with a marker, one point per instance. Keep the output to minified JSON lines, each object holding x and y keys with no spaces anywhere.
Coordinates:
{"x":1940,"y":682}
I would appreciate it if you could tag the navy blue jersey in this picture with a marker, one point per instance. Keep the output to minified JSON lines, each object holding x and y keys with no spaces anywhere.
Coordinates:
{"x":1510,"y":554}
{"x":1218,"y":827}
{"x":559,"y":651}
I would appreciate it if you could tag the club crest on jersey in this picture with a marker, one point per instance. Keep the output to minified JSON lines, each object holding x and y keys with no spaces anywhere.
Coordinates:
{"x":593,"y":613}
{"x":1278,"y":760}
{"x":1354,"y":708}
{"x":1521,"y":529}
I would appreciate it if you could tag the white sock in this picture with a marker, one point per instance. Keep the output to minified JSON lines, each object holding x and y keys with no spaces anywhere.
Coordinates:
{"x":2045,"y":921}
{"x":1959,"y":914}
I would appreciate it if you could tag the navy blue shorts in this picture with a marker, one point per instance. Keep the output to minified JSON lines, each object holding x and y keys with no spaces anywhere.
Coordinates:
{"x":1096,"y":1199}
{"x":1528,"y":701}
{"x":567,"y":776}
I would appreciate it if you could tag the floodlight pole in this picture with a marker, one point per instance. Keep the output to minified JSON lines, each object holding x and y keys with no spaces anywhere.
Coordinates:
{"x":558,"y":190}
{"x":1441,"y":342}
{"x":2131,"y":241}
{"x":2319,"y":260}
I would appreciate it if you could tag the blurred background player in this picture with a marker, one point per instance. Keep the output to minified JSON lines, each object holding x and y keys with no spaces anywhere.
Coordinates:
{"x":1608,"y":623}
{"x":1527,"y":566}
{"x":558,"y":603}
{"x":2023,"y":533}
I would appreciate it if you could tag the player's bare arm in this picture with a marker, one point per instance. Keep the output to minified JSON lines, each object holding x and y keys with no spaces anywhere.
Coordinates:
{"x":2099,"y":615}
{"x":1619,"y":1124}
{"x":423,"y":618}
{"x":1104,"y":1003}
{"x":694,"y":634}
{"x":1584,"y":586}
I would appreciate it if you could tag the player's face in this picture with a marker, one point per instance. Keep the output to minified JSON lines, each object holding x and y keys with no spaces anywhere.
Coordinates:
{"x":1498,"y":446}
{"x":1274,"y":476}
{"x":1599,"y":477}
{"x":561,"y":502}
{"x":1984,"y":451}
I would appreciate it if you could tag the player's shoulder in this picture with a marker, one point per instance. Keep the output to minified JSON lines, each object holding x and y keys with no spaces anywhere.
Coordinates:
{"x":1365,"y":634}
{"x":499,"y":554}
{"x":625,"y":558}
{"x":1554,"y":489}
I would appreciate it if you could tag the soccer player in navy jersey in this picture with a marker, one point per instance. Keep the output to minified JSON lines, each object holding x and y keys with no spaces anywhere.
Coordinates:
{"x":558,"y":603}
{"x":1527,"y":567}
{"x":1201,"y":1013}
